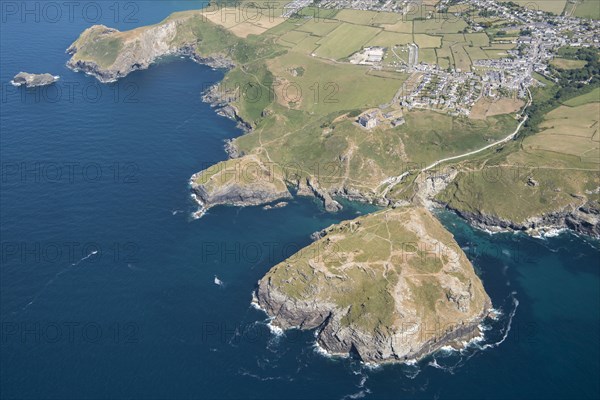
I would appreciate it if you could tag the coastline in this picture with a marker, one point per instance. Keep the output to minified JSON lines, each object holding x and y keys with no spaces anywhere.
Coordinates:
{"x":549,"y":225}
{"x":242,"y":195}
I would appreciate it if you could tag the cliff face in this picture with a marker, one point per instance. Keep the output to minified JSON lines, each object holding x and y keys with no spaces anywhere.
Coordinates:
{"x":391,"y":286}
{"x":109,"y":54}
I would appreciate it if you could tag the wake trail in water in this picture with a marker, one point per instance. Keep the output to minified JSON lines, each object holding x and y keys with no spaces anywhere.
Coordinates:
{"x":53,"y":279}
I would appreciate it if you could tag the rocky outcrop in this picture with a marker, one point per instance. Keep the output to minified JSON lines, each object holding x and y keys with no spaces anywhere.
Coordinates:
{"x":309,"y":187}
{"x":221,"y":100}
{"x":33,"y":80}
{"x":237,"y":194}
{"x":369,"y":288}
{"x":245,"y":181}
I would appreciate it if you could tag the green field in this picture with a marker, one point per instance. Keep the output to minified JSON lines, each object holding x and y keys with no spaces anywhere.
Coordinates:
{"x":348,"y":86}
{"x":427,"y":56}
{"x":461,"y":58}
{"x":588,"y":9}
{"x":345,"y":40}
{"x":428,"y":135}
{"x":475,"y":53}
{"x":358,"y":17}
{"x":386,"y":18}
{"x":565,"y":63}
{"x":292,"y":38}
{"x":389,"y":39}
{"x":400,"y":26}
{"x":319,"y":27}
{"x":439,"y":24}
{"x":591,"y":97}
{"x":477,"y":39}
{"x":427,"y":41}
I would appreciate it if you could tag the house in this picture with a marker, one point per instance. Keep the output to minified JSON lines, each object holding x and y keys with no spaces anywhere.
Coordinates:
{"x":368,"y":121}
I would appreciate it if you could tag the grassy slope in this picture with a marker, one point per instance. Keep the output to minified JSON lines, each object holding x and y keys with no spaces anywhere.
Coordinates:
{"x":563,"y":158}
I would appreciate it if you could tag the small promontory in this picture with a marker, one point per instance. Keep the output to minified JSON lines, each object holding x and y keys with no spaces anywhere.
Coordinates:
{"x":393,"y":286}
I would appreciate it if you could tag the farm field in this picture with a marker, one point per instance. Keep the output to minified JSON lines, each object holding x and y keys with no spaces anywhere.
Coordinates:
{"x":345,"y":40}
{"x":588,"y":9}
{"x":591,"y":97}
{"x":400,"y":26}
{"x":477,"y":39}
{"x":356,"y":17}
{"x":475,"y":53}
{"x":569,"y":130}
{"x":440,"y":40}
{"x":423,"y":40}
{"x":438,"y":24}
{"x":565,"y":63}
{"x":461,"y":58}
{"x":320,"y":27}
{"x":325,"y":87}
{"x":389,"y":39}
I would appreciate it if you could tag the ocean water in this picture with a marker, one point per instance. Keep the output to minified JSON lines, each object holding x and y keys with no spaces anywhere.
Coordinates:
{"x":109,"y":289}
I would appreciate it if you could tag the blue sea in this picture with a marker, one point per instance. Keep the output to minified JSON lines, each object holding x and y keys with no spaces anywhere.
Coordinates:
{"x":109,"y":289}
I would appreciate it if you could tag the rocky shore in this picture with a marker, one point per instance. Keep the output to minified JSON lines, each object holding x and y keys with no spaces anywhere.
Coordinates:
{"x":222,"y":101}
{"x":584,"y":219}
{"x":33,"y":80}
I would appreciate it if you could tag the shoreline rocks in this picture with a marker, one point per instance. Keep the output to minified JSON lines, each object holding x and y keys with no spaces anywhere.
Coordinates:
{"x":33,"y":80}
{"x":583,"y":220}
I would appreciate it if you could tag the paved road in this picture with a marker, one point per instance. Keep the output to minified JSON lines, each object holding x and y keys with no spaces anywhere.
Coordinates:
{"x":506,"y":139}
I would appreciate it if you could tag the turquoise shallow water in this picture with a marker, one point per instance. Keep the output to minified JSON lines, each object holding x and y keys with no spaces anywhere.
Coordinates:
{"x":142,"y":316}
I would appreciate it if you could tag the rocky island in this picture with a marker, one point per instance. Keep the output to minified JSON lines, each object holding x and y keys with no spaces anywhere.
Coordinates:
{"x":393,"y":285}
{"x":33,"y":80}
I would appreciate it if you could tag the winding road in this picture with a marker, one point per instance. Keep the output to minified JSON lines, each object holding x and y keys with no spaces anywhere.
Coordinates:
{"x":394,"y":180}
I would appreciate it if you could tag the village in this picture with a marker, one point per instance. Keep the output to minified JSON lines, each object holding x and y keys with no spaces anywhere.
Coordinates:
{"x":449,"y":89}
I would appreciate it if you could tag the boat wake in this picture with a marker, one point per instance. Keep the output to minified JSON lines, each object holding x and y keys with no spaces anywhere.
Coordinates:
{"x":54,"y":278}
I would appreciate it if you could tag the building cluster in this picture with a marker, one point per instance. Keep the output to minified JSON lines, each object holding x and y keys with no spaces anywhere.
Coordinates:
{"x":368,"y":56}
{"x":454,"y":93}
{"x":540,"y":35}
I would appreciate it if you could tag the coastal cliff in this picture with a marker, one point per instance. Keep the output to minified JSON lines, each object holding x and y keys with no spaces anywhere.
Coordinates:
{"x":389,"y":287}
{"x":584,"y":219}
